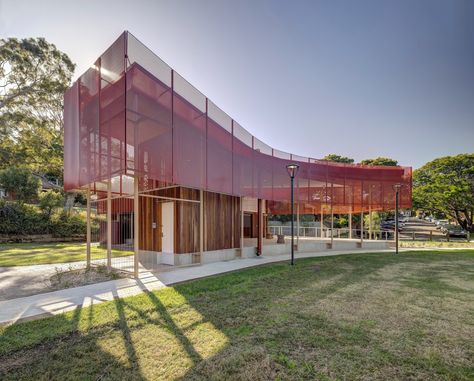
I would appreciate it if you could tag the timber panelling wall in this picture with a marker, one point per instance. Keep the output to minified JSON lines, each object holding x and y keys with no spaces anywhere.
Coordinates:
{"x":186,"y":237}
{"x":150,"y":211}
{"x":221,"y":216}
{"x":221,"y":220}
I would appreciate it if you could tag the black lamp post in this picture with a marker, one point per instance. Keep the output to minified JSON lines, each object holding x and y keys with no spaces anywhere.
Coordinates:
{"x":292,"y":171}
{"x":397,"y":188}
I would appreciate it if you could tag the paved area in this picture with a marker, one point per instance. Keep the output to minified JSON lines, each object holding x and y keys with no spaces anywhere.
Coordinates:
{"x":56,"y":302}
{"x":19,"y":281}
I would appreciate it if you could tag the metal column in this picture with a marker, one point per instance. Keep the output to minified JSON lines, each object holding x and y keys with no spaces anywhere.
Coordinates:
{"x":260,"y":226}
{"x":297,"y":224}
{"x":88,"y":228}
{"x":201,"y":225}
{"x":350,"y":225}
{"x":109,"y":224}
{"x":136,"y":223}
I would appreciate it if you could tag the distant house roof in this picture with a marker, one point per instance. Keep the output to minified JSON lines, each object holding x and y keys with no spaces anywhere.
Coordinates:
{"x":45,"y":183}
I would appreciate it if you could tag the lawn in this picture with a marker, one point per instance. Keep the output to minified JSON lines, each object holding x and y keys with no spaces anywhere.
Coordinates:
{"x":23,"y":254}
{"x":363,"y":316}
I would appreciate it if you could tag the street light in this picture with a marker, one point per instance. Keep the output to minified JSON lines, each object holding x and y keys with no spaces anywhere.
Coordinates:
{"x":292,"y":171}
{"x":397,"y":188}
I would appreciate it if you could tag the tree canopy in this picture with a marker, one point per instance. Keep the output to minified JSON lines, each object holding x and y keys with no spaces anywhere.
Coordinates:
{"x":21,"y":183}
{"x":384,"y":161}
{"x":338,"y":158}
{"x":446,"y":186}
{"x":34,"y":75}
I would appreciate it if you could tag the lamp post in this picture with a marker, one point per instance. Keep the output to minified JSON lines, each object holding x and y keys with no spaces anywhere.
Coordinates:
{"x":292,"y":171}
{"x":397,"y":188}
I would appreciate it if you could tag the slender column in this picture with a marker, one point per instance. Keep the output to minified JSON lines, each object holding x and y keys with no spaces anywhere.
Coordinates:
{"x":201,"y":225}
{"x":350,"y":224}
{"x":361,"y":227}
{"x":109,"y":224}
{"x":332,"y":226}
{"x":241,"y":226}
{"x":232,"y":222}
{"x":396,"y":220}
{"x":332,"y":214}
{"x":136,"y":223}
{"x":297,"y":224}
{"x":322,"y":220}
{"x":88,"y":228}
{"x":260,"y":226}
{"x":370,"y":222}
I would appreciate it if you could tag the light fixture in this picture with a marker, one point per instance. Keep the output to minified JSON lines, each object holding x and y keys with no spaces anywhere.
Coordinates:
{"x":292,"y":172}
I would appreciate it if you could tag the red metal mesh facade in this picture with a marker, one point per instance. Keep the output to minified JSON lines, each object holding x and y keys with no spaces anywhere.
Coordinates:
{"x":132,"y":115}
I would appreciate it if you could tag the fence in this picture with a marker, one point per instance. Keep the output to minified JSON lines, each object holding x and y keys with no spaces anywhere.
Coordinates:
{"x":317,"y":232}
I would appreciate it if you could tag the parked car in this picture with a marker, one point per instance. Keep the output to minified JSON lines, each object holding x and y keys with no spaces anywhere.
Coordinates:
{"x":440,"y":223}
{"x":456,"y":231}
{"x":444,"y":227}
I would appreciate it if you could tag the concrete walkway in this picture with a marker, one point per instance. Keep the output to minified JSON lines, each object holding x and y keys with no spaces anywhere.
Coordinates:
{"x":56,"y":302}
{"x":21,"y":281}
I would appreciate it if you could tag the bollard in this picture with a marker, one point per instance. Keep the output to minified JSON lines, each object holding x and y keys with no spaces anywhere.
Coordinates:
{"x":447,"y":237}
{"x":431,"y":235}
{"x":413,"y":236}
{"x":468,"y":236}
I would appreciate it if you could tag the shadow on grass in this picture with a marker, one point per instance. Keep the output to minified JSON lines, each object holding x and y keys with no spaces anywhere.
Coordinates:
{"x":268,"y":332}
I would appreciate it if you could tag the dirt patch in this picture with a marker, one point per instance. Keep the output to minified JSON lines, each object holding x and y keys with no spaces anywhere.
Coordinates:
{"x":81,"y":277}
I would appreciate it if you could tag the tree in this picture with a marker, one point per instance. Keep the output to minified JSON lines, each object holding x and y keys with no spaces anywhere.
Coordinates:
{"x":384,"y":161}
{"x":21,"y":183}
{"x":338,"y":158}
{"x":34,"y":75}
{"x":446,"y":186}
{"x":376,"y":220}
{"x":50,"y":200}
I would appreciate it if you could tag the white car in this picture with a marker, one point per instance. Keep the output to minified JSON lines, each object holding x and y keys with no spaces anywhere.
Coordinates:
{"x":440,"y":223}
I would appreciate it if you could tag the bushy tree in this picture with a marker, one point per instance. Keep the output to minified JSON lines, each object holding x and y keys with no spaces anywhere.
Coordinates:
{"x":376,"y":220}
{"x":21,"y":183}
{"x":446,"y":186}
{"x":384,"y":161}
{"x":338,"y":158}
{"x":34,"y":75}
{"x":50,"y":200}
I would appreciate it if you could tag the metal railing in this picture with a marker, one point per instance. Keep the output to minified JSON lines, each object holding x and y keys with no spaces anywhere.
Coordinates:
{"x":317,"y":232}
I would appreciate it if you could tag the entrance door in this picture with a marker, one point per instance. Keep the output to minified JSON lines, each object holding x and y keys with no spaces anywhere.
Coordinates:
{"x":167,"y":221}
{"x":247,"y":225}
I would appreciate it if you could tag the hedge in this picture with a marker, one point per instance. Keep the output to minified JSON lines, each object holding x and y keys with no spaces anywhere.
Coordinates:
{"x":24,"y":219}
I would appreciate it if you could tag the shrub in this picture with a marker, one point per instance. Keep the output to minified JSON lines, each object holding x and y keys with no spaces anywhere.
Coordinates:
{"x":66,"y":225}
{"x":24,"y":219}
{"x":16,"y":218}
{"x":50,"y":200}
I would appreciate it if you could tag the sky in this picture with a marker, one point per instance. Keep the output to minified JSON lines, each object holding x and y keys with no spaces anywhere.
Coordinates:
{"x":362,"y":79}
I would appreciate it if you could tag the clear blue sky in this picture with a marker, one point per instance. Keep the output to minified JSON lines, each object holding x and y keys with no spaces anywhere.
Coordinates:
{"x":359,"y":78}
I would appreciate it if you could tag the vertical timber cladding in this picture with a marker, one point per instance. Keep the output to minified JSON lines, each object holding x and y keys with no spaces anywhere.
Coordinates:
{"x":186,"y":237}
{"x":150,"y":224}
{"x":222,"y":218}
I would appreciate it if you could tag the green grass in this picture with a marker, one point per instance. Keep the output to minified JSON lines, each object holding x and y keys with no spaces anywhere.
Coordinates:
{"x":364,"y":316}
{"x":23,"y":254}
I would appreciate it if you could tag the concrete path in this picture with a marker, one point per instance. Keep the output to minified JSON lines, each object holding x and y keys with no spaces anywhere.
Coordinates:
{"x":56,"y":302}
{"x":20,"y":281}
